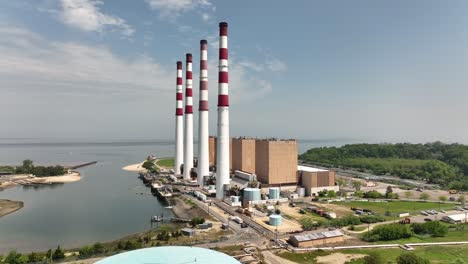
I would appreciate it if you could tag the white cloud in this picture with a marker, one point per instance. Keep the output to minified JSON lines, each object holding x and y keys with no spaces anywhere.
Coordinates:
{"x":87,"y":16}
{"x":71,"y":67}
{"x":170,"y":9}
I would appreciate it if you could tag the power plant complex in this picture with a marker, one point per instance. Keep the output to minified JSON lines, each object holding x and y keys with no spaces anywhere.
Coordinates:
{"x":257,"y":166}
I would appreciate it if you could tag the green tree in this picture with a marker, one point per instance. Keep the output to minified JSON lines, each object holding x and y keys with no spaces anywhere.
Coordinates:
{"x":424,"y":196}
{"x":357,"y":185}
{"x":15,"y":258}
{"x":331,"y":194}
{"x":49,"y":255}
{"x":389,"y":191}
{"x":374,"y":258}
{"x":461,"y":199}
{"x":98,"y":248}
{"x":411,"y":258}
{"x":58,"y":253}
{"x":35,"y":257}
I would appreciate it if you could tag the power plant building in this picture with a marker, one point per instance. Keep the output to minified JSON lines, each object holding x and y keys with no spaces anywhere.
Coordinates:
{"x":243,"y":154}
{"x":276,"y":161}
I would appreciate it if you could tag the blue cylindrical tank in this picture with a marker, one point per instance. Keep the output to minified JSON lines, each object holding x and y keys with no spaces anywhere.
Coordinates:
{"x":275,"y":220}
{"x":235,"y":199}
{"x":211,"y":187}
{"x":274,"y":193}
{"x":252,"y":194}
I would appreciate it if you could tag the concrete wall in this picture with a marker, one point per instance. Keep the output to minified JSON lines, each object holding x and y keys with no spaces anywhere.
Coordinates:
{"x":276,"y":161}
{"x":321,"y":180}
{"x":243,"y":154}
{"x":212,"y":150}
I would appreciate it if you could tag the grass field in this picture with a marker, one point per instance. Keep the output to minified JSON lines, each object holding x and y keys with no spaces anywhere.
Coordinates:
{"x":436,"y":254}
{"x":165,"y":162}
{"x":396,"y":207}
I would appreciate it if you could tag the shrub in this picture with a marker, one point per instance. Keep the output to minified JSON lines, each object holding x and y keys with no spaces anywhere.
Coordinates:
{"x":433,"y":228}
{"x":388,"y":232}
{"x":374,"y":258}
{"x":369,"y":219}
{"x":411,"y":258}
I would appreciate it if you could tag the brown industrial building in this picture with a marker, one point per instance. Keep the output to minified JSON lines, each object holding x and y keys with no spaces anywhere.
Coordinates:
{"x":316,"y":239}
{"x":276,"y":161}
{"x":315,"y":180}
{"x":243,"y":154}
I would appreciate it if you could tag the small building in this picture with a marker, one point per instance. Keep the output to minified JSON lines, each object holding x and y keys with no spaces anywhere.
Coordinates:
{"x":315,"y":180}
{"x":455,"y":219}
{"x":187,"y":232}
{"x":316,"y":239}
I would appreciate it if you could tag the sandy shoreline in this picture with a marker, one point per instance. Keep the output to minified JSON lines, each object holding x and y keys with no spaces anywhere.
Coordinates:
{"x":135,"y":167}
{"x":9,"y":206}
{"x":73,"y":176}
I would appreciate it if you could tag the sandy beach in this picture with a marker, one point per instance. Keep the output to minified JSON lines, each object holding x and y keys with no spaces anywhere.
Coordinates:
{"x":134,"y":168}
{"x":71,"y":177}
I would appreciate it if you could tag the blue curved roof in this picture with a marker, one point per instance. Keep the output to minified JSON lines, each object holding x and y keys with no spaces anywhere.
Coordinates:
{"x":170,"y":255}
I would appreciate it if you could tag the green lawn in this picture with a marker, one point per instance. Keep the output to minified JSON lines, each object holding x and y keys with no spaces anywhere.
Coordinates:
{"x":165,"y":162}
{"x":436,"y":254}
{"x":396,"y":206}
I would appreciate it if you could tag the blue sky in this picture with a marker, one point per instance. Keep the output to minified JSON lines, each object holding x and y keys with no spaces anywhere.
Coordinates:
{"x":368,"y":70}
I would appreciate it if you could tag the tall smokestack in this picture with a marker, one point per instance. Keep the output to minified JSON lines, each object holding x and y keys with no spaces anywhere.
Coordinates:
{"x":188,"y":138}
{"x":179,"y":131}
{"x":203,"y":154}
{"x":222,"y":148}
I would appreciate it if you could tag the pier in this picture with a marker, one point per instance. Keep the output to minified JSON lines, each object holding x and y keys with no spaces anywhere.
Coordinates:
{"x":81,"y":165}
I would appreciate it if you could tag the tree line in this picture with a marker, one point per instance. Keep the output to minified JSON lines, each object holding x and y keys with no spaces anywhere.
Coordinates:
{"x":438,"y":163}
{"x":40,"y":171}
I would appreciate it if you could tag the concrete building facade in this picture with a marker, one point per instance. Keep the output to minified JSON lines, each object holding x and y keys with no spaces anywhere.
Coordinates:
{"x":243,"y":154}
{"x":276,"y":161}
{"x":315,"y":180}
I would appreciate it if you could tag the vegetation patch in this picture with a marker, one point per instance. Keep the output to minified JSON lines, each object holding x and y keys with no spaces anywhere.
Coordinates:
{"x":439,"y":163}
{"x":166,"y":162}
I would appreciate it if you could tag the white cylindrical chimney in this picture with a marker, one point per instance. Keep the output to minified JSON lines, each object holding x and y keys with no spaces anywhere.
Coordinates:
{"x":179,"y":127}
{"x":203,"y":134}
{"x":222,"y":146}
{"x":188,"y":137}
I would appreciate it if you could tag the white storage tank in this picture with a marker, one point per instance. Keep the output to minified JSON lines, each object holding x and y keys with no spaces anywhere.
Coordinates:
{"x":275,"y":220}
{"x":234,"y":199}
{"x":300,"y":191}
{"x":274,"y":193}
{"x":211,"y":187}
{"x":252,"y":194}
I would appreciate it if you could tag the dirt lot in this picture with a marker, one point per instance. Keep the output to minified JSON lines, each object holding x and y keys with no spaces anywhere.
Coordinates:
{"x":338,"y":258}
{"x":187,"y":210}
{"x":287,"y":226}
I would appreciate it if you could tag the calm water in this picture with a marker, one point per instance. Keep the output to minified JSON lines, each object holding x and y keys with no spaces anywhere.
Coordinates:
{"x":106,"y":204}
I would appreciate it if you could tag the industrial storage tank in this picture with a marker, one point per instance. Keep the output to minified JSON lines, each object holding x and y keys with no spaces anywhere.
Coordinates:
{"x":300,"y":191}
{"x":275,"y":220}
{"x":234,"y":199}
{"x":274,"y":193}
{"x":211,"y":187}
{"x":251,"y":194}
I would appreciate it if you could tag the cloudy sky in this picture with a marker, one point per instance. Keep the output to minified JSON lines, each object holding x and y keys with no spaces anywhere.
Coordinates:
{"x":367,"y":70}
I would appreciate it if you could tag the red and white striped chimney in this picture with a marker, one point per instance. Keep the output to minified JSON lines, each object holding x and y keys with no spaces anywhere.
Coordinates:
{"x":222,"y":164}
{"x":203,"y":134}
{"x":188,"y":138}
{"x":179,"y":131}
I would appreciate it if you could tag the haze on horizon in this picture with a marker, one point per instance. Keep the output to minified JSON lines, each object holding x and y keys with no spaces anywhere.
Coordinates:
{"x":379,"y":71}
